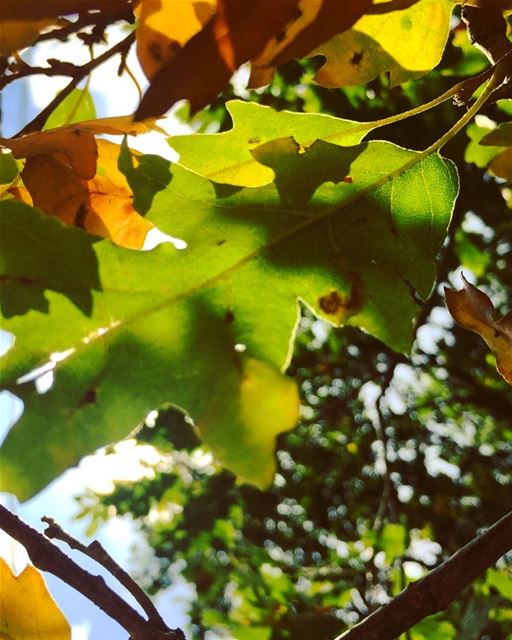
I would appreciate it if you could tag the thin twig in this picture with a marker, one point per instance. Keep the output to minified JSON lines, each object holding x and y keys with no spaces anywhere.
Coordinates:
{"x":437,"y":590}
{"x":97,"y":552}
{"x":48,"y":557}
{"x":38,"y":122}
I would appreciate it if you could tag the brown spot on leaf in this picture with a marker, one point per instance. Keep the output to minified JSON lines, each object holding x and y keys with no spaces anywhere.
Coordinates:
{"x":253,"y":140}
{"x":219,"y":243}
{"x":348,"y":180}
{"x":229,"y":316}
{"x":155,"y":51}
{"x":356,"y":58}
{"x":341,"y":306}
{"x":89,"y":397}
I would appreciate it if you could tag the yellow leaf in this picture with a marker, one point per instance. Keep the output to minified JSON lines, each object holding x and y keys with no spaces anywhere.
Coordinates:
{"x":268,"y":404}
{"x":27,"y":610}
{"x":18,"y":34}
{"x":120,"y":125}
{"x":315,"y":22}
{"x":407,"y":43}
{"x":165,"y":26}
{"x":473,"y":310}
{"x":198,"y":71}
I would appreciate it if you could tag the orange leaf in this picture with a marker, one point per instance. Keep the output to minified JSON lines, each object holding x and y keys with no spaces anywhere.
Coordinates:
{"x":27,"y":609}
{"x":317,"y":22}
{"x":473,"y":310}
{"x":102,"y":205}
{"x":238,"y":32}
{"x":78,"y":145}
{"x":164,"y":27}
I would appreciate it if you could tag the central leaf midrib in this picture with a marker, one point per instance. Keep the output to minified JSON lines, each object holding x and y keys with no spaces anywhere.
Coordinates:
{"x":168,"y":301}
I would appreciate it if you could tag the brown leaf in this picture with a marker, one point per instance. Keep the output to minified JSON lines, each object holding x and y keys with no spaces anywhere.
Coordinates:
{"x":102,"y":205}
{"x":164,"y":27}
{"x":473,"y":310}
{"x":18,"y":34}
{"x":318,"y":21}
{"x":78,"y":145}
{"x":238,"y":32}
{"x":36,"y":9}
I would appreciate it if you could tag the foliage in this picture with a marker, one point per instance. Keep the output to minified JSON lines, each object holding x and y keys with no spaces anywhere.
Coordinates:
{"x":28,"y":610}
{"x":295,"y":213}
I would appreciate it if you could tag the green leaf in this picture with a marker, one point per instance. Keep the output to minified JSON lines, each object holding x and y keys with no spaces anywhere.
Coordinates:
{"x":76,"y":107}
{"x":393,"y":541}
{"x":251,"y":633}
{"x":227,"y":157}
{"x":433,"y":628}
{"x":501,"y":581}
{"x":209,"y":328}
{"x":475,"y":151}
{"x":406,"y":43}
{"x":470,"y":255}
{"x":8,"y":168}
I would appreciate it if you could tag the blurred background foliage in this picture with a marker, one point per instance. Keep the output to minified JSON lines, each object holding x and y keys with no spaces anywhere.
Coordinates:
{"x":396,"y":462}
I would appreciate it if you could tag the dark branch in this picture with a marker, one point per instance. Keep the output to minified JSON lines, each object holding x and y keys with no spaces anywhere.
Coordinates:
{"x":97,"y":552}
{"x":47,"y":557}
{"x":82,"y":72}
{"x":439,"y":588}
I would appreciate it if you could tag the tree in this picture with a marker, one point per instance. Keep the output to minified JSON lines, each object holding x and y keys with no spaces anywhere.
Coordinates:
{"x":305,"y":207}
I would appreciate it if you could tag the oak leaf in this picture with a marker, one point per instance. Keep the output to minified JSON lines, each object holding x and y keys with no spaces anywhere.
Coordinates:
{"x":317,"y":21}
{"x":102,"y":205}
{"x":18,"y":34}
{"x":473,"y":310}
{"x":237,"y":33}
{"x":71,"y":175}
{"x":406,"y":43}
{"x":164,"y":27}
{"x":28,"y":612}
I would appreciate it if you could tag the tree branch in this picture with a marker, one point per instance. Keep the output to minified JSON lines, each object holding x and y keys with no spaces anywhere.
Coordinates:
{"x":83,"y":71}
{"x":48,"y":557}
{"x":438,"y":589}
{"x":97,"y":552}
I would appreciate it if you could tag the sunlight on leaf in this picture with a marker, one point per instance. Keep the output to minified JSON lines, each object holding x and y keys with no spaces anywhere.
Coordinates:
{"x":102,"y":205}
{"x":164,"y":27}
{"x":407,"y":43}
{"x":228,"y":157}
{"x":159,"y":319}
{"x":27,"y":610}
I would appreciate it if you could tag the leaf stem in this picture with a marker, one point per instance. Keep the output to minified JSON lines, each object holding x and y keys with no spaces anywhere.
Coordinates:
{"x":491,"y":85}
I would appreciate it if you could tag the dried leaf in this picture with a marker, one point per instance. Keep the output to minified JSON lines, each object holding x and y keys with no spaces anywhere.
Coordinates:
{"x":473,"y":310}
{"x":317,"y":21}
{"x":164,"y":27}
{"x":18,"y":34}
{"x":238,"y":32}
{"x":76,"y":144}
{"x":102,"y":205}
{"x":28,"y":612}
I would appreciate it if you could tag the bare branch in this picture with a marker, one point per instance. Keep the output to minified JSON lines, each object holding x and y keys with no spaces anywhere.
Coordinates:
{"x":97,"y":552}
{"x":38,"y":122}
{"x":48,"y":557}
{"x":438,"y":589}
